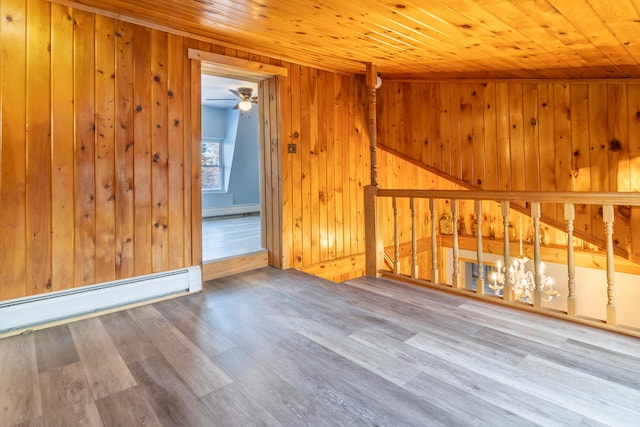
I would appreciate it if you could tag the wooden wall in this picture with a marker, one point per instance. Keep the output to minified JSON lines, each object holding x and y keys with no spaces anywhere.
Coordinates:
{"x":99,"y":161}
{"x":533,"y":136}
{"x":323,"y":115}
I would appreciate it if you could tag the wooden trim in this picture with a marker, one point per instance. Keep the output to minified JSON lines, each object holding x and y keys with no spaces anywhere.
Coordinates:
{"x":196,"y":179}
{"x":585,"y":197}
{"x":233,"y":265}
{"x":222,"y":64}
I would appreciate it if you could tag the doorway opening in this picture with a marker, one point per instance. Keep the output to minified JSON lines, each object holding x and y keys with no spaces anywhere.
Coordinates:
{"x":230,"y":164}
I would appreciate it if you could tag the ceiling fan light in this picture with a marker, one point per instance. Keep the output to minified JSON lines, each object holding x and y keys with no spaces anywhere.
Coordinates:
{"x":244,"y":105}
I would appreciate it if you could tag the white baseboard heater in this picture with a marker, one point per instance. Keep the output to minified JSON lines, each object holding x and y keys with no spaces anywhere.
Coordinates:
{"x":25,"y":312}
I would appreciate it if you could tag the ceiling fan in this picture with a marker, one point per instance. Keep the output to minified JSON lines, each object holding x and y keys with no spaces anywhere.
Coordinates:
{"x":246,"y":98}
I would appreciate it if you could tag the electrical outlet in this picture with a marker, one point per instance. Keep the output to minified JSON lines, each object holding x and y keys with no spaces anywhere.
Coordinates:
{"x":291,"y":149}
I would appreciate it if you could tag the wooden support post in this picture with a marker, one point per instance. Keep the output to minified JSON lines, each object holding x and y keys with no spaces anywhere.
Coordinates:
{"x":371,"y":80}
{"x":569,"y":217}
{"x":414,"y":241}
{"x":480,"y":249}
{"x":396,"y":238}
{"x":537,"y":293}
{"x":434,"y":243}
{"x":507,"y":293}
{"x":374,"y":249}
{"x":607,"y":216}
{"x":455,"y":281}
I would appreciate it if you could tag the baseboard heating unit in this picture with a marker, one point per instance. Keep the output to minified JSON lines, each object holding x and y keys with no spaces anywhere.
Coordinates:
{"x":25,"y":312}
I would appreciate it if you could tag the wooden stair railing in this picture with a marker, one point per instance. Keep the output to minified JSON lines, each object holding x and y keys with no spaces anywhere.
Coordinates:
{"x":377,"y":257}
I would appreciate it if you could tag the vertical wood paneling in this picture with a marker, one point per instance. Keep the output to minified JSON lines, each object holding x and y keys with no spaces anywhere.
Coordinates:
{"x":62,"y":142}
{"x":330,"y":194}
{"x":296,"y":166}
{"x":286,"y":208}
{"x":305,"y":158}
{"x":12,"y":190}
{"x":546,"y":140}
{"x":599,"y":164}
{"x":323,"y":172}
{"x":580,"y":153}
{"x":466,"y":131}
{"x":516,"y":137}
{"x":347,"y":163}
{"x":339,"y":166}
{"x":547,"y":136}
{"x":423,"y":127}
{"x":314,"y":173}
{"x":633,"y":117}
{"x":104,"y":143}
{"x":142,"y":149}
{"x":275,"y":194}
{"x":445,"y":128}
{"x":84,"y":102}
{"x":562,"y":137}
{"x":160,"y":153}
{"x":479,"y":155}
{"x":176,"y":148}
{"x":531,"y":136}
{"x":38,"y":203}
{"x":124,"y":152}
{"x":194,"y":149}
{"x":503,"y":131}
{"x":491,"y":137}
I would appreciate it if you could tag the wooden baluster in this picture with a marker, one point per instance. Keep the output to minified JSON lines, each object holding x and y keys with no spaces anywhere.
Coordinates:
{"x":434,"y":243}
{"x":396,"y":239}
{"x":480,"y":249}
{"x":456,"y":251}
{"x":537,"y":294}
{"x":506,"y":291}
{"x":569,"y":216}
{"x":414,"y":241}
{"x":607,"y":216}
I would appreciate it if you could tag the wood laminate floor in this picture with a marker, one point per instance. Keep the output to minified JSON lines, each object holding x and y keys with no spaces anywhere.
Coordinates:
{"x":274,"y":348}
{"x":230,"y":236}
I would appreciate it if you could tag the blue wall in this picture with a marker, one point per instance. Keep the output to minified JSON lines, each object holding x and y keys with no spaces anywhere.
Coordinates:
{"x":239,"y":130}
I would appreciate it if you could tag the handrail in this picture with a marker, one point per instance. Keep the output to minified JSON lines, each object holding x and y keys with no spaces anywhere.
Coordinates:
{"x":508,"y":280}
{"x":586,"y":197}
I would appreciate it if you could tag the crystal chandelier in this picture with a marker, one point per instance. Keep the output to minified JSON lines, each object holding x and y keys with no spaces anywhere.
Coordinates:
{"x":522,"y":281}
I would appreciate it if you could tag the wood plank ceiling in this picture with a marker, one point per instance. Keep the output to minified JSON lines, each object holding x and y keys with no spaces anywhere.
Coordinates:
{"x":424,"y":39}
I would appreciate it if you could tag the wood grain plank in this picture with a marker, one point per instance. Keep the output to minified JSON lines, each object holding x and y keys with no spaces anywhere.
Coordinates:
{"x":142,"y":150}
{"x":466,"y":132}
{"x":531,"y":136}
{"x":20,"y":396}
{"x":580,"y":177}
{"x":313,"y":162}
{"x":85,"y":131}
{"x":346,"y":165}
{"x":128,"y":407}
{"x":633,"y":97}
{"x":175,"y":150}
{"x":195,"y":160}
{"x":287,"y":188}
{"x":599,"y":165}
{"x":516,"y":132}
{"x":296,"y":165}
{"x":172,"y":401}
{"x":331,"y":193}
{"x":104,"y":368}
{"x":124,"y":151}
{"x":491,"y":179}
{"x":479,"y":153}
{"x":13,"y":180}
{"x":503,"y":132}
{"x":456,"y":131}
{"x":67,"y":398}
{"x":445,"y":128}
{"x":323,"y":172}
{"x":547,"y":144}
{"x":131,"y":341}
{"x":105,"y":185}
{"x":62,"y":137}
{"x":55,"y":348}
{"x":160,"y":153}
{"x":275,"y":194}
{"x":193,"y":366}
{"x":562,"y":137}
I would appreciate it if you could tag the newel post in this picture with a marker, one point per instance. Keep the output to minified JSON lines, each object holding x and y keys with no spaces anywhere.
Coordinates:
{"x":371,"y":80}
{"x":374,"y":249}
